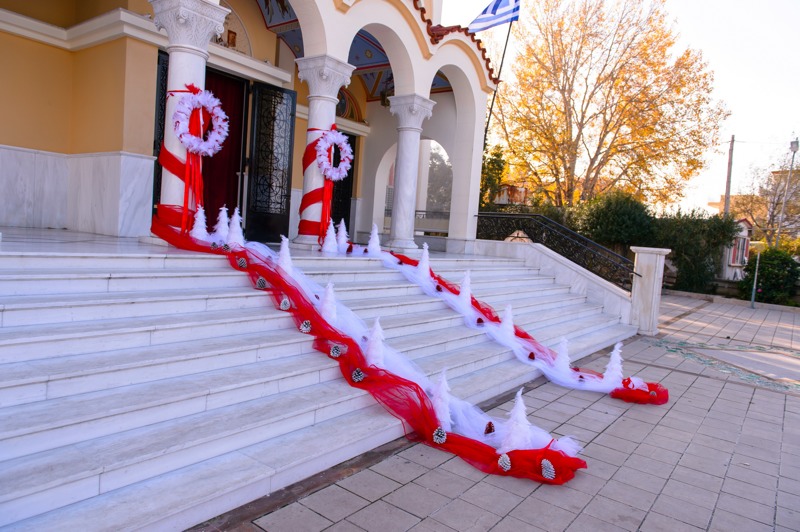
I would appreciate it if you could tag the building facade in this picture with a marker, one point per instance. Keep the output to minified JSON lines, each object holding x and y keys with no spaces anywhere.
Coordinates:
{"x":90,"y":87}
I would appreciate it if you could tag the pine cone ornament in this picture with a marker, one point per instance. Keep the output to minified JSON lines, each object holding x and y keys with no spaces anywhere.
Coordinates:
{"x":504,"y":462}
{"x":548,"y":471}
{"x":261,"y":283}
{"x":439,"y":436}
{"x":358,"y":375}
{"x":305,"y":327}
{"x":241,"y":263}
{"x":336,"y":351}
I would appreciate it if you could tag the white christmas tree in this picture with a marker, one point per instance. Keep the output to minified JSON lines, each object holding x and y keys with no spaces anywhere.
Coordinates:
{"x":465,"y":291}
{"x":329,"y":245}
{"x":374,"y":244}
{"x":328,"y":304}
{"x":612,"y":378}
{"x":199,"y":231}
{"x":518,"y":428}
{"x":235,"y":234}
{"x":342,"y":240}
{"x":285,"y":257}
{"x":221,"y":228}
{"x":561,"y":364}
{"x":374,"y":349}
{"x":441,"y":402}
{"x":424,"y":265}
{"x":507,"y":325}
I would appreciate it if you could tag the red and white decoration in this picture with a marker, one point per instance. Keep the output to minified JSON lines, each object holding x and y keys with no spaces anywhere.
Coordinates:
{"x":319,"y":153}
{"x":201,"y":126}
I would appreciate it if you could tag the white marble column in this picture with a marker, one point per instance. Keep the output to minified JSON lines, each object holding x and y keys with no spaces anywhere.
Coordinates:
{"x":424,"y":174}
{"x":190,"y":24}
{"x":324,"y":75}
{"x":646,"y":290}
{"x":410,"y":110}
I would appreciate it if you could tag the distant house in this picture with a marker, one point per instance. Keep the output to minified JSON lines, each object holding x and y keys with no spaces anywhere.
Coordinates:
{"x":511,"y":195}
{"x":735,"y":256}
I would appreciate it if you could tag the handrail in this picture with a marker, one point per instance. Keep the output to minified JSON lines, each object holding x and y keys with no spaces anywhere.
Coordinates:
{"x":582,"y":251}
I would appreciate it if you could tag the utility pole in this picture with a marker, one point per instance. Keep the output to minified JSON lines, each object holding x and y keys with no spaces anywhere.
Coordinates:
{"x":727,"y":210}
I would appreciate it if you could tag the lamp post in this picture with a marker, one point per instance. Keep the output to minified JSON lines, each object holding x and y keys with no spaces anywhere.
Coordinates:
{"x":793,"y":146}
{"x":759,"y":247}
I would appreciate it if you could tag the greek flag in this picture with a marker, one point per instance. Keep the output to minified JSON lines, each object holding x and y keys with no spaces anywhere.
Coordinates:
{"x":496,"y":13}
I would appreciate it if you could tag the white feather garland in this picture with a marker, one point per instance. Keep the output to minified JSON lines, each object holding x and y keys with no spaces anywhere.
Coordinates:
{"x":518,"y":433}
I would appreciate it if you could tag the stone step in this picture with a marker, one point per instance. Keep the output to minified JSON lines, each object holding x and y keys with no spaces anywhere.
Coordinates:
{"x":174,"y":259}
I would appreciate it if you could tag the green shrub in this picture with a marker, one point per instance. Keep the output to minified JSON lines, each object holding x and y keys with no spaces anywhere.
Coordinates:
{"x":696,"y":240}
{"x":778,"y":273}
{"x":616,"y":220}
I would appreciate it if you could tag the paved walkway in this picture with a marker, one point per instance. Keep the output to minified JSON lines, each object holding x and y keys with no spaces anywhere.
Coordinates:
{"x":723,"y":454}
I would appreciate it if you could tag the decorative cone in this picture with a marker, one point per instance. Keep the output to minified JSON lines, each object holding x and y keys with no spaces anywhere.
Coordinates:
{"x":235,"y":234}
{"x":199,"y":231}
{"x":507,"y":325}
{"x":465,"y":291}
{"x":221,"y":229}
{"x":329,"y":245}
{"x":285,"y":258}
{"x":518,"y":428}
{"x":342,"y":241}
{"x":561,"y":364}
{"x":374,"y":244}
{"x":328,"y":304}
{"x":612,"y":378}
{"x":441,"y":403}
{"x":424,"y":265}
{"x":374,"y":349}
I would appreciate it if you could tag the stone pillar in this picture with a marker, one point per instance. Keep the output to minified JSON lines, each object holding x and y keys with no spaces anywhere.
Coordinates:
{"x":190,"y":24}
{"x":646,"y":290}
{"x":411,"y":110}
{"x":324,"y":75}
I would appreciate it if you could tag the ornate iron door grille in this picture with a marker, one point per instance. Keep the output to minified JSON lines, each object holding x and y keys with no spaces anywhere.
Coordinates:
{"x":271,"y":150}
{"x":542,"y":230}
{"x":161,"y":111}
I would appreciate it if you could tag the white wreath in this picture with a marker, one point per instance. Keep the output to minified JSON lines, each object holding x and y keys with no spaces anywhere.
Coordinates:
{"x":325,"y":142}
{"x":219,"y":123}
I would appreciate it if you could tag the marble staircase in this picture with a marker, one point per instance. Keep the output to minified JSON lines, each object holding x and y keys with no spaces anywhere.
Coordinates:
{"x":163,"y":386}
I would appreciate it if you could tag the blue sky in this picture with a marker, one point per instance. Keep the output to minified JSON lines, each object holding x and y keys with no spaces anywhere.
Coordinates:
{"x":756,"y":62}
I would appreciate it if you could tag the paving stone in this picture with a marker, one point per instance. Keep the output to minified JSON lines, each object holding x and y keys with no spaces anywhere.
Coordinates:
{"x":615,"y":513}
{"x":640,"y":479}
{"x":444,"y":482}
{"x":425,"y":455}
{"x":518,"y":486}
{"x":512,"y":524}
{"x":614,"y":442}
{"x":381,"y":516}
{"x":400,"y":469}
{"x":697,"y":463}
{"x":334,"y":503}
{"x":542,"y":514}
{"x":465,"y":517}
{"x":682,"y":511}
{"x":629,"y":494}
{"x":654,"y":467}
{"x":492,"y":498}
{"x":563,"y":496}
{"x":599,"y":468}
{"x":724,"y":521}
{"x":606,"y":454}
{"x":748,"y":491}
{"x":788,"y":500}
{"x":293,"y":518}
{"x":752,"y":476}
{"x":690,"y":493}
{"x":369,"y":485}
{"x":789,"y":518}
{"x":768,"y":468}
{"x":789,"y":485}
{"x":461,"y":468}
{"x":658,"y":453}
{"x":343,"y":526}
{"x":416,"y":500}
{"x":430,"y":525}
{"x":588,"y":523}
{"x":749,"y":509}
{"x":758,"y":452}
{"x":656,"y":522}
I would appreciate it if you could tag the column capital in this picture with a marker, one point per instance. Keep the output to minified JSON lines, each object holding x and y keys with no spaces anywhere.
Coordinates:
{"x":324,"y":74}
{"x":190,"y":24}
{"x":411,"y":110}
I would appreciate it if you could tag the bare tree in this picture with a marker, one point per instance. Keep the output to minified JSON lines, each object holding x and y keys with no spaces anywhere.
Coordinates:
{"x":760,"y":202}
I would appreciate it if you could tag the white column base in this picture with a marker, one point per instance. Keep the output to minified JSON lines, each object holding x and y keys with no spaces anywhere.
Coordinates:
{"x":400,"y":243}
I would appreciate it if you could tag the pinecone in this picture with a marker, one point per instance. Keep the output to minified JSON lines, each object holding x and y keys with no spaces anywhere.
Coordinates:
{"x":242,"y":263}
{"x":261,"y":283}
{"x":358,"y":375}
{"x":305,"y":327}
{"x":226,"y":248}
{"x":548,"y":471}
{"x":336,"y":351}
{"x":504,"y":462}
{"x":286,"y":305}
{"x":439,"y":436}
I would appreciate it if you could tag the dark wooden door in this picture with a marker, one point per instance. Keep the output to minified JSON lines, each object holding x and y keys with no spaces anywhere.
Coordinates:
{"x":343,"y":190}
{"x":270,"y":168}
{"x":221,"y":172}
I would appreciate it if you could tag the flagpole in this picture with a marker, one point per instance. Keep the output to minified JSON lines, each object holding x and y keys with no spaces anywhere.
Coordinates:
{"x":494,"y":95}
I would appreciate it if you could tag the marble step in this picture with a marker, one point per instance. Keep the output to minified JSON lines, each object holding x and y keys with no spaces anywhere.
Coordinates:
{"x":183,"y":497}
{"x":175,"y":259}
{"x":33,"y":342}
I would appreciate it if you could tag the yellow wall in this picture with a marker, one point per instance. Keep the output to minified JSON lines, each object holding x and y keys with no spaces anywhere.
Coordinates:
{"x":37,"y":95}
{"x":300,"y":127}
{"x":263,"y":43}
{"x":56,"y":12}
{"x":140,"y":97}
